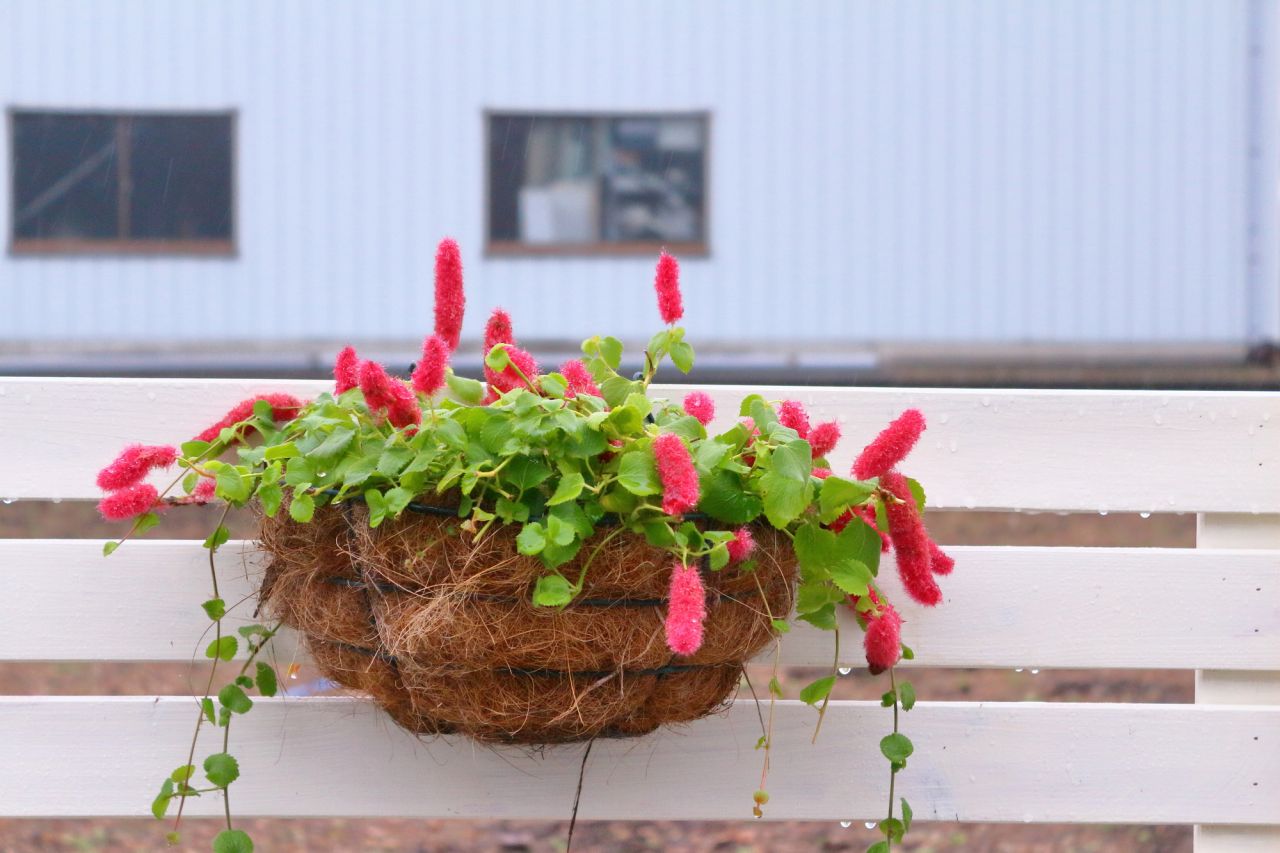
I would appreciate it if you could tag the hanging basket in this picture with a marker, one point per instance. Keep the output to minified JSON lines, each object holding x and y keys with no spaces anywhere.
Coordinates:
{"x":442,"y":633}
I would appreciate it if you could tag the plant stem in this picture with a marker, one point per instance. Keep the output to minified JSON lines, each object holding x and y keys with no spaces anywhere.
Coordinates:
{"x":893,"y":771}
{"x":835,"y":672}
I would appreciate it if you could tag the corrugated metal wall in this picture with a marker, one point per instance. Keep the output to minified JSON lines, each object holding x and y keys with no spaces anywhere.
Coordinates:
{"x":975,"y":170}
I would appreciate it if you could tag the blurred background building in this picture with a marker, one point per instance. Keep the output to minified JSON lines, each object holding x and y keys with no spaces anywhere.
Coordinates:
{"x":1061,"y":192}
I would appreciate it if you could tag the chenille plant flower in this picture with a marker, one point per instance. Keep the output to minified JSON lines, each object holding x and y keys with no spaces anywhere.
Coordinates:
{"x":569,"y":459}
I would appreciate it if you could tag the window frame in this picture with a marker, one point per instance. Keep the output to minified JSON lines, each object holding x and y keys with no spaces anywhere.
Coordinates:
{"x":38,"y":247}
{"x":628,"y":249}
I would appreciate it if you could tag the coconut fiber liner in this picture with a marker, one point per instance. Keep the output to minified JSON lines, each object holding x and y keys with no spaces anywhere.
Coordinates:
{"x":441,"y":632}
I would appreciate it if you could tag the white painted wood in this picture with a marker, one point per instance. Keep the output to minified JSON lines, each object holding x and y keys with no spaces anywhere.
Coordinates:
{"x":1233,"y":686}
{"x":1037,"y":607}
{"x":1031,"y":450}
{"x":1044,"y":762}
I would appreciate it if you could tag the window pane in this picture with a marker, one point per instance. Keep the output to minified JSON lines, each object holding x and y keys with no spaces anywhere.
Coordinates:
{"x":583,"y":180}
{"x":654,"y":180}
{"x":181,"y":177}
{"x":65,"y":183}
{"x":544,"y":186}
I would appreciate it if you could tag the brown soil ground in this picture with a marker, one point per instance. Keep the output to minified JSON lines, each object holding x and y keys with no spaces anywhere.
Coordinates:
{"x":75,"y":520}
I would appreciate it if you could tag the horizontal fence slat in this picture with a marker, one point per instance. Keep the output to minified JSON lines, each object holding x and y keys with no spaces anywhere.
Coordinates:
{"x":1005,"y":606}
{"x":998,"y":449}
{"x":1087,"y":763}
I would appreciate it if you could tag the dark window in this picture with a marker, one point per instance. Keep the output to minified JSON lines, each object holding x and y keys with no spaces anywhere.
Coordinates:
{"x":597,"y":183}
{"x":96,"y":182}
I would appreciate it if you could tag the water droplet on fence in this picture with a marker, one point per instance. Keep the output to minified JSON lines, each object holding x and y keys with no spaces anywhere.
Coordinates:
{"x":1018,"y":669}
{"x":1252,"y":429}
{"x":55,"y":500}
{"x":846,"y":823}
{"x":1102,"y":512}
{"x":942,"y":419}
{"x":1266,"y":416}
{"x":986,"y":401}
{"x":1144,"y":515}
{"x":954,"y":445}
{"x":1035,"y":672}
{"x":970,"y":501}
{"x":151,"y":395}
{"x":1213,"y":416}
{"x":1235,"y":413}
{"x":1158,"y":418}
{"x":1164,"y":401}
{"x":10,"y":500}
{"x":844,"y":670}
{"x":871,"y":824}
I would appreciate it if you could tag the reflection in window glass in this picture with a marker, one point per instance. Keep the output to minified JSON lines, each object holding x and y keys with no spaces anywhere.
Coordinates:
{"x":98,"y":181}
{"x":581,"y":181}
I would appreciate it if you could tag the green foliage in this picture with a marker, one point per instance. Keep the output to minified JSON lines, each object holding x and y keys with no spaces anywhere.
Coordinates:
{"x":232,"y":841}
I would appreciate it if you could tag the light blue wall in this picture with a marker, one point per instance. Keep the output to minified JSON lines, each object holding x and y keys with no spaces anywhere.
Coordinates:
{"x":968,"y":171}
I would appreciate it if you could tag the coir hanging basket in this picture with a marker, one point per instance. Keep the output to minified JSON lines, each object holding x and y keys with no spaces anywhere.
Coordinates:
{"x":441,"y":631}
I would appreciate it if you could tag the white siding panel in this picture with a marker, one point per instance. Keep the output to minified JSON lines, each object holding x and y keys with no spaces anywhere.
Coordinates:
{"x":983,"y":170}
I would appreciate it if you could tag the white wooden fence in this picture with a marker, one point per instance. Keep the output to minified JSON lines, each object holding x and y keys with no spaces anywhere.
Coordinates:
{"x":1215,"y":609}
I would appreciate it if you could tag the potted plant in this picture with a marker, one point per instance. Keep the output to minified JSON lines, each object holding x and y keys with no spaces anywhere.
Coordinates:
{"x":543,"y":557}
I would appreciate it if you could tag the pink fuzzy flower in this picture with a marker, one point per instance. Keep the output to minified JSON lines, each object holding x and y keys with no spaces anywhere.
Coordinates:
{"x":883,"y":640}
{"x":284,"y":407}
{"x":128,"y":502}
{"x":791,"y":414}
{"x":497,"y":330}
{"x":891,"y":446}
{"x":742,"y":546}
{"x":383,"y":392}
{"x":451,"y":302}
{"x":940,"y":562}
{"x":686,"y":610}
{"x":680,"y":492}
{"x":133,"y":463}
{"x":428,"y":376}
{"x":666,"y":282}
{"x":579,"y":378}
{"x":823,"y":438}
{"x":204,"y":490}
{"x":700,"y":405}
{"x":346,"y":370}
{"x":508,"y":379}
{"x":910,"y":541}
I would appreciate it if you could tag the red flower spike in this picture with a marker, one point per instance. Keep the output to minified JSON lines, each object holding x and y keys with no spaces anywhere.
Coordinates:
{"x":821,"y":473}
{"x":940,"y":562}
{"x":204,"y":491}
{"x":666,"y":282}
{"x":451,"y":302}
{"x":284,"y":407}
{"x":128,"y":502}
{"x":133,"y":463}
{"x":383,"y":392}
{"x":428,"y":376}
{"x":791,"y":414}
{"x":742,"y":546}
{"x":579,"y":378}
{"x":883,"y":640}
{"x":497,"y":330}
{"x":890,"y":447}
{"x":910,"y":542}
{"x":823,"y":438}
{"x":686,"y":610}
{"x":508,"y":379}
{"x":700,"y":405}
{"x":346,"y":370}
{"x":680,"y":492}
